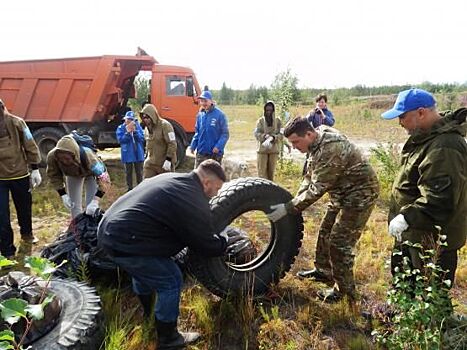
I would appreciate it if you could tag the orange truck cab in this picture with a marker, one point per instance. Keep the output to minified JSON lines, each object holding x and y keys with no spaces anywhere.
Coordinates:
{"x":90,"y":94}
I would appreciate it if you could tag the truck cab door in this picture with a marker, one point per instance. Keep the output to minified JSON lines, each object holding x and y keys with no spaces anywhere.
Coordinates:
{"x":177,"y":101}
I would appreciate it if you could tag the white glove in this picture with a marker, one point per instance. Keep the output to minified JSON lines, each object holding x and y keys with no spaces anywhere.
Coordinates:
{"x":397,"y":226}
{"x":277,"y":213}
{"x":224,"y":234}
{"x":92,"y":207}
{"x":36,"y":178}
{"x":167,"y":166}
{"x":67,"y":201}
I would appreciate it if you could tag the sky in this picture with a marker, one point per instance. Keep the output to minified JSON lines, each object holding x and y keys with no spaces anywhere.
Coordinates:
{"x":326,"y":44}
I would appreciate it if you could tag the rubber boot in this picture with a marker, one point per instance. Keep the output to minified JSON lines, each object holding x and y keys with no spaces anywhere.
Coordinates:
{"x":168,"y":336}
{"x":146,"y":301}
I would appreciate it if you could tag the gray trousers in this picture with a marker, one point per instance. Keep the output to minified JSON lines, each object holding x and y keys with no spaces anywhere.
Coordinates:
{"x":74,"y":188}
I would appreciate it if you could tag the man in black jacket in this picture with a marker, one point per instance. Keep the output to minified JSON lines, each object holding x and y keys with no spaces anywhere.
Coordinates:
{"x":155,"y":221}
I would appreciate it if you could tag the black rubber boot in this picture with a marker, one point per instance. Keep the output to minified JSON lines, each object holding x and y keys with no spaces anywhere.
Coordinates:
{"x":168,"y":337}
{"x":147,"y":302}
{"x":315,"y":274}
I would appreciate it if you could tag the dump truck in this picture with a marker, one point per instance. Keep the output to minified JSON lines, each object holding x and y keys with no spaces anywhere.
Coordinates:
{"x":90,"y":94}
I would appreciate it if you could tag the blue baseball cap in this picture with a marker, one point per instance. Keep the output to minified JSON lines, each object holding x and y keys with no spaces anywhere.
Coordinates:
{"x":410,"y":100}
{"x":206,"y":95}
{"x":129,"y":115}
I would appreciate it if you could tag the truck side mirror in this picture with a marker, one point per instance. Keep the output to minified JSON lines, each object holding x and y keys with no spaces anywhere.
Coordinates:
{"x":189,"y":87}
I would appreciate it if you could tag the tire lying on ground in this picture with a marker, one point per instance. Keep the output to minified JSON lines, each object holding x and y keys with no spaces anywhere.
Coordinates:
{"x":255,"y":277}
{"x":80,"y":325}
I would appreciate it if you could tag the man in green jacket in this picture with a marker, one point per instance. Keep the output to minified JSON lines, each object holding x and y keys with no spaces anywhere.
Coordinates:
{"x":429,"y":195}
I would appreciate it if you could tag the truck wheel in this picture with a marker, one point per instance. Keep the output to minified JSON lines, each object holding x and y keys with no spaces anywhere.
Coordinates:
{"x":80,"y":325}
{"x":46,"y":139}
{"x":181,"y":151}
{"x":282,"y":239}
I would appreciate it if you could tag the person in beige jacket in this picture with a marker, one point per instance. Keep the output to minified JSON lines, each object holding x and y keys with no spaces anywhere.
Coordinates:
{"x":18,"y":155}
{"x":68,"y":170}
{"x":268,"y":134}
{"x":161,"y":144}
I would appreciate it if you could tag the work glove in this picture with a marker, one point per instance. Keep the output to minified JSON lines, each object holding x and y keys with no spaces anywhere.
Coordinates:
{"x":36,"y":178}
{"x":397,"y":226}
{"x":277,"y":213}
{"x":268,"y":142}
{"x":92,"y":207}
{"x":167,"y":166}
{"x":67,"y":201}
{"x":224,"y":234}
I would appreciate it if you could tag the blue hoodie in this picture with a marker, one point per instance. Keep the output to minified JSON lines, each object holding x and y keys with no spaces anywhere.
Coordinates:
{"x":131,"y":145}
{"x":211,"y":130}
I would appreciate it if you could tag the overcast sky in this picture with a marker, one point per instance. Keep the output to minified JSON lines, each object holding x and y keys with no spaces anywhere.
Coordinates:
{"x":327,"y":43}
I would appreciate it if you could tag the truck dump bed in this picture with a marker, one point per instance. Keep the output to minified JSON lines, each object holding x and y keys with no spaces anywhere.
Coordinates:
{"x":71,"y":89}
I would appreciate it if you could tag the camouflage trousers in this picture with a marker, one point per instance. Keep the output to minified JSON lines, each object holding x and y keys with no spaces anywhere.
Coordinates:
{"x":338,"y":233}
{"x":266,"y":163}
{"x":202,"y":157}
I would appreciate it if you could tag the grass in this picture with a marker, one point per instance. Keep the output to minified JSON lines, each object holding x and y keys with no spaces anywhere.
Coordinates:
{"x":296,"y":319}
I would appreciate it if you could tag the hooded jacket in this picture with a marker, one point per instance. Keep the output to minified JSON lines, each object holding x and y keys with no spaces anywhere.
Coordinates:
{"x":131,"y":144}
{"x":18,"y":150}
{"x":431,"y":186}
{"x":262,"y":129}
{"x":56,"y":170}
{"x":161,"y":143}
{"x":211,"y":130}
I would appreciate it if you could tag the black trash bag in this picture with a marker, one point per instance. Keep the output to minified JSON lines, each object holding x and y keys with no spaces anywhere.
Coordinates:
{"x":78,"y":245}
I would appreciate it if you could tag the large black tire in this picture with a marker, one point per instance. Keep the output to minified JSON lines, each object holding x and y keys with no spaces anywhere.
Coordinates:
{"x":46,"y":139}
{"x":253,"y":278}
{"x":181,"y":151}
{"x":80,"y":326}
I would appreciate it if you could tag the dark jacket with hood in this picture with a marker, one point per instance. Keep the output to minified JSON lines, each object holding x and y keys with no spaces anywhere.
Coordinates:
{"x":431,"y":188}
{"x":160,"y":217}
{"x":270,"y":127}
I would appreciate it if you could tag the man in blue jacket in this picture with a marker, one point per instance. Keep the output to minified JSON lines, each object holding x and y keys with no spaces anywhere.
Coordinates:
{"x":145,"y":227}
{"x":131,"y":138}
{"x":211,"y":131}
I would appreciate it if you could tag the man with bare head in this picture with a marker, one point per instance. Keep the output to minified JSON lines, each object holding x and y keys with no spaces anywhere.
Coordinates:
{"x":145,"y":227}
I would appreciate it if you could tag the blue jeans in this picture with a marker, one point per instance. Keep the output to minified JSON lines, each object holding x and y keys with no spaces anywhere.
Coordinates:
{"x":151,"y":273}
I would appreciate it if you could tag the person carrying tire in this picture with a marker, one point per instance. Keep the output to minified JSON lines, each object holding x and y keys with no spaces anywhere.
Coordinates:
{"x":18,"y":155}
{"x":130,"y":135}
{"x":337,"y":167}
{"x":211,"y":131}
{"x":143,"y":229}
{"x":69,"y":167}
{"x":161,"y":144}
{"x":268,"y":134}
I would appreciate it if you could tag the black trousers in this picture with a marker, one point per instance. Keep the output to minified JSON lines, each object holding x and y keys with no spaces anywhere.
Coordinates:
{"x":21,"y":193}
{"x":129,"y":173}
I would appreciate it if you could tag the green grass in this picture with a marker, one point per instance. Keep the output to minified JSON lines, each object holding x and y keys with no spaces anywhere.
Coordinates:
{"x":300,"y":321}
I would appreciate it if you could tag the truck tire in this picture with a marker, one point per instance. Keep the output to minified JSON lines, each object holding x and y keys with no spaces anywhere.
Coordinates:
{"x":46,"y":139}
{"x":255,"y":277}
{"x":80,"y":326}
{"x":181,"y":150}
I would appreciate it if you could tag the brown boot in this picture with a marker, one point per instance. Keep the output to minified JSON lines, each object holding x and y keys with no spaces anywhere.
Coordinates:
{"x":168,"y":336}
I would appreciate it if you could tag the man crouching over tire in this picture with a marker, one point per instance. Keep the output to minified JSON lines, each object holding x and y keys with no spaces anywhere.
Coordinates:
{"x":153,"y":222}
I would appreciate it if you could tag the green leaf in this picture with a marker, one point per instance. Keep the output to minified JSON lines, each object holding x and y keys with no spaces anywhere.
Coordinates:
{"x":7,"y":335}
{"x":6,"y":346}
{"x":13,"y":309}
{"x":6,"y":262}
{"x":42,"y":267}
{"x":36,"y":311}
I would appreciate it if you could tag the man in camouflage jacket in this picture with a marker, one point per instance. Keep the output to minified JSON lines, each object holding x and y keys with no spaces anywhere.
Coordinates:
{"x":337,"y":167}
{"x":429,"y":195}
